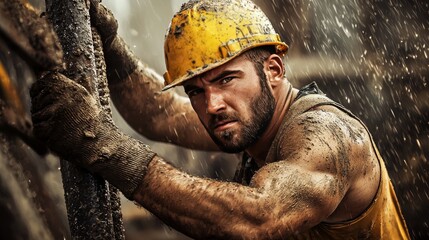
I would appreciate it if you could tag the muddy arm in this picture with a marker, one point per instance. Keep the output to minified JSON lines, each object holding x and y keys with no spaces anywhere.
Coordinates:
{"x":274,"y":206}
{"x":136,"y":91}
{"x":160,"y":116}
{"x":284,"y":198}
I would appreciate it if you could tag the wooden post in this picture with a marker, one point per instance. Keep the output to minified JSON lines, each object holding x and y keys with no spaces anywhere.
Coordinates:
{"x":93,"y":207}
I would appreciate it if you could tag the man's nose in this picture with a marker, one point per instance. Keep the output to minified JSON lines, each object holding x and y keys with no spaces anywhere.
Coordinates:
{"x":215,"y":102}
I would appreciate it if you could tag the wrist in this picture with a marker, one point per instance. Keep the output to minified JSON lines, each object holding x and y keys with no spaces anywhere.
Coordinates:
{"x":120,"y":60}
{"x":123,"y":161}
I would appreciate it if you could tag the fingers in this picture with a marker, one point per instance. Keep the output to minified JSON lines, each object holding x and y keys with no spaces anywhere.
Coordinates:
{"x":47,"y":90}
{"x":43,"y":100}
{"x":61,"y":111}
{"x":93,"y":5}
{"x":49,"y":80}
{"x":45,"y":114}
{"x":51,"y":95}
{"x":38,"y":86}
{"x":42,"y":130}
{"x":103,"y":19}
{"x":44,"y":108}
{"x":54,"y":82}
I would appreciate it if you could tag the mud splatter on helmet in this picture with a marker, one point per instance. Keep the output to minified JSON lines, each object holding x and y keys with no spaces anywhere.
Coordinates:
{"x":206,"y":34}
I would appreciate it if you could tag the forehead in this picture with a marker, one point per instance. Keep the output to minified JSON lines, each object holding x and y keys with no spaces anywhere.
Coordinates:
{"x":240,"y":63}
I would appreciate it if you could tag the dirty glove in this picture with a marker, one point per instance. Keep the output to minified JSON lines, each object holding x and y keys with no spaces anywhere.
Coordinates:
{"x":69,"y":120}
{"x":120,"y":60}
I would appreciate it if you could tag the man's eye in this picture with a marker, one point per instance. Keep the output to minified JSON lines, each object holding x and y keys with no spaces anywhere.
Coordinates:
{"x":194,"y":92}
{"x":226,"y":80}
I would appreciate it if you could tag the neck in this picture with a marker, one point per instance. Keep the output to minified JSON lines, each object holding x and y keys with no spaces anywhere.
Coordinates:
{"x":284,"y":98}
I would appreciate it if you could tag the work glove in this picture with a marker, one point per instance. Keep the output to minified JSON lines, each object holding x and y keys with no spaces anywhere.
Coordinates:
{"x":69,"y":120}
{"x":120,"y":60}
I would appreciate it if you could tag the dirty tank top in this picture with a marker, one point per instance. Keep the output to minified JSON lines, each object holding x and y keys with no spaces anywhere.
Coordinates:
{"x":381,"y":220}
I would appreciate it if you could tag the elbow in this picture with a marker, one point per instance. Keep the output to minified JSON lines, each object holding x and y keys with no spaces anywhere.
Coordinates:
{"x":275,"y":224}
{"x":267,"y":230}
{"x":264,"y":226}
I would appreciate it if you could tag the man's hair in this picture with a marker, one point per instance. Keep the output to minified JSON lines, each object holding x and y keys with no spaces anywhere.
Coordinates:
{"x":258,"y":56}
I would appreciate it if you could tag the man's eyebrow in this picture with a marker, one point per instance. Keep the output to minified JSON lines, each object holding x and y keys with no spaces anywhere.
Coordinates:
{"x":224,"y":74}
{"x":220,"y":76}
{"x":189,"y":87}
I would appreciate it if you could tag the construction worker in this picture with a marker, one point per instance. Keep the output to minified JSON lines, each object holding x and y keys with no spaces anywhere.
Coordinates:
{"x":310,"y":168}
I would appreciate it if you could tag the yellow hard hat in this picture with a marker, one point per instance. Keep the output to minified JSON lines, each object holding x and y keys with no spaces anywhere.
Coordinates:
{"x":208,"y":33}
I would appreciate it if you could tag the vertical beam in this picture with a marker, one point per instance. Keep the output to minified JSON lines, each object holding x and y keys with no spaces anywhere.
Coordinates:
{"x":88,"y":198}
{"x":103,"y":98}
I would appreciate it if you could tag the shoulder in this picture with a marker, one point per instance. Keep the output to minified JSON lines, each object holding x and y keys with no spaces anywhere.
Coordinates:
{"x":329,"y":140}
{"x":326,"y":124}
{"x":327,"y":147}
{"x":326,"y":139}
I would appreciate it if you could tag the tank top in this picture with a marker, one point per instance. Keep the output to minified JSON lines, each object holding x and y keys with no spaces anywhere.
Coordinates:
{"x":381,"y":220}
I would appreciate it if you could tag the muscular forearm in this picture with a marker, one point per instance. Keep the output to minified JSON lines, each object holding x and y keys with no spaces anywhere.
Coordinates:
{"x":136,"y":91}
{"x":204,"y":208}
{"x":160,"y":116}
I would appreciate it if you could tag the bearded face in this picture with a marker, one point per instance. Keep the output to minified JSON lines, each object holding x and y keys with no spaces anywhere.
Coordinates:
{"x":251,"y":122}
{"x":233,"y":102}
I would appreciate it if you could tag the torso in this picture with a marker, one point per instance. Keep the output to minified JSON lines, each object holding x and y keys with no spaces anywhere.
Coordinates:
{"x":363,"y":164}
{"x":369,"y":208}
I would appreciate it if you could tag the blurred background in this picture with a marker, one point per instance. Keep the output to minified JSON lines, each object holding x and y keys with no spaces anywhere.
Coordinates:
{"x":371,"y":56}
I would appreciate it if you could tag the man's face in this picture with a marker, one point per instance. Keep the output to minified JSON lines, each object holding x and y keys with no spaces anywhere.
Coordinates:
{"x":233,"y":102}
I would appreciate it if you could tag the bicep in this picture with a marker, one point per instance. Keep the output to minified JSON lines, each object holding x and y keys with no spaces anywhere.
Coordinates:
{"x":312,"y":174}
{"x":301,"y":198}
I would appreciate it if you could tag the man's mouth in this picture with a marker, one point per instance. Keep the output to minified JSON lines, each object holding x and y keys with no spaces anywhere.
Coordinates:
{"x":223,"y":125}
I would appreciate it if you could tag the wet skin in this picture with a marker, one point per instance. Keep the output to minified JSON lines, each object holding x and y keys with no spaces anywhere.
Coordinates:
{"x":231,"y":105}
{"x":327,"y":170}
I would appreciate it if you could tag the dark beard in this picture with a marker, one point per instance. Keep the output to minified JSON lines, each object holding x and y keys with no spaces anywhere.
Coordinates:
{"x":252,"y":130}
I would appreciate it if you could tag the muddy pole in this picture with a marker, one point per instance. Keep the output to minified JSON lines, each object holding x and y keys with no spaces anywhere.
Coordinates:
{"x":89,"y":199}
{"x":104,"y":97}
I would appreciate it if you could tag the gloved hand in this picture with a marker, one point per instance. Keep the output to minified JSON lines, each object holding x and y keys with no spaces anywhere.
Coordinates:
{"x":120,"y":60}
{"x":69,"y":120}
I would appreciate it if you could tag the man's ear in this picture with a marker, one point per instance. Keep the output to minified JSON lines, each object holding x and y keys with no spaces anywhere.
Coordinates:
{"x":274,"y":69}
